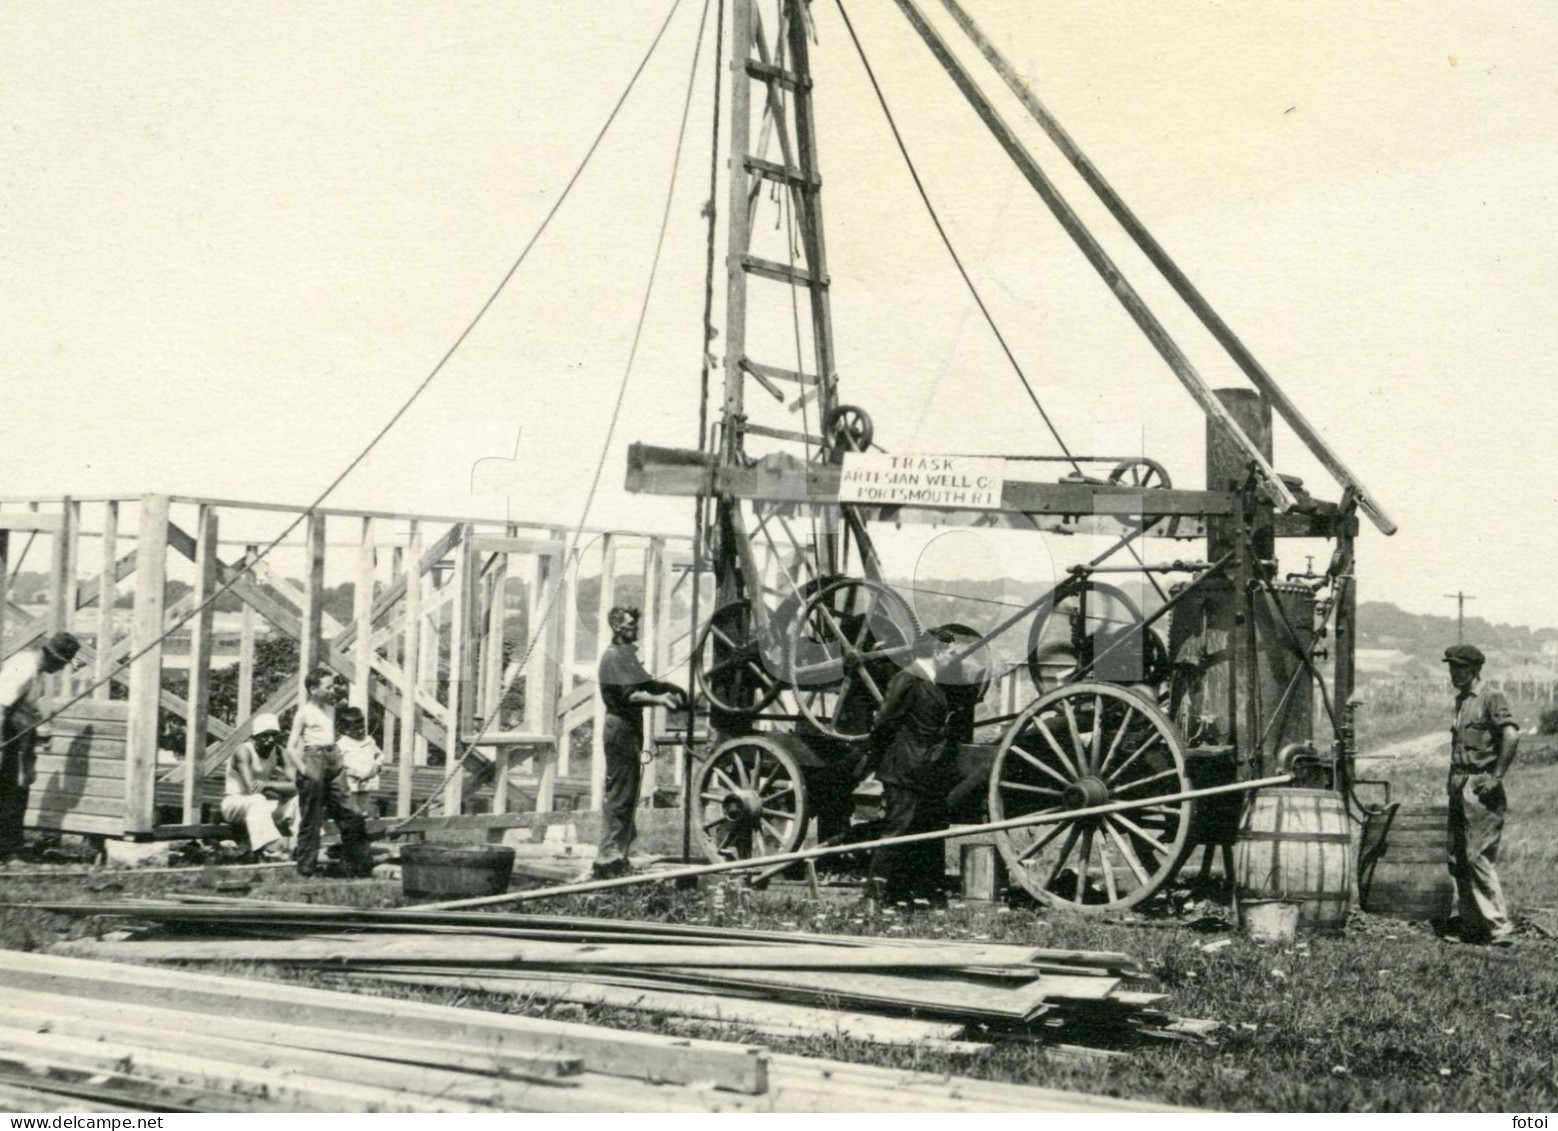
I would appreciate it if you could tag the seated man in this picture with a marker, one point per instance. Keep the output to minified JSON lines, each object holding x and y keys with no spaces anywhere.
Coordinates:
{"x":256,"y":794}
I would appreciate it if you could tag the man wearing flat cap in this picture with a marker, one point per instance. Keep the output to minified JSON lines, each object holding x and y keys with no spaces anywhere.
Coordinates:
{"x":908,"y":747}
{"x":21,"y":720}
{"x":1483,"y":741}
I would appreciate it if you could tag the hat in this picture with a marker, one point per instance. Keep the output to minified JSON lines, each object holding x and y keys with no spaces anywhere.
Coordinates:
{"x":61,"y":647}
{"x":1464,"y":654}
{"x":264,"y":721}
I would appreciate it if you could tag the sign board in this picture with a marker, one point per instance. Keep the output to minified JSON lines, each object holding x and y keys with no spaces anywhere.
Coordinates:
{"x":960,"y":482}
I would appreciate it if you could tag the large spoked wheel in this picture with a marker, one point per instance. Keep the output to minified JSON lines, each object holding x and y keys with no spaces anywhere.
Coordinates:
{"x":1082,"y":746}
{"x":850,"y":639}
{"x":729,"y":663}
{"x":1086,"y":624}
{"x":751,"y":800}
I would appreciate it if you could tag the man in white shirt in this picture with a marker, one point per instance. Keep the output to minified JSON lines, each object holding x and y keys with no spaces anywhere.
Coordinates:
{"x":20,"y":721}
{"x":256,"y":794}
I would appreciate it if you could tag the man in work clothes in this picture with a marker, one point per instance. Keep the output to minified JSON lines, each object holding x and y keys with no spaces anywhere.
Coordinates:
{"x":1483,"y":741}
{"x":625,"y":690}
{"x":20,"y":722}
{"x":908,"y":755}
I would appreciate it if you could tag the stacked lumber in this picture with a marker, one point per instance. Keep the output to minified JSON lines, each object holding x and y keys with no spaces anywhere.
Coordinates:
{"x":943,"y":994}
{"x":104,"y":1036}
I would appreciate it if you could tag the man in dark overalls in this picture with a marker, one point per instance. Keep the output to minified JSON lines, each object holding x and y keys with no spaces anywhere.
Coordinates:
{"x":21,"y":731}
{"x":625,"y":690}
{"x":908,"y":755}
{"x":1483,"y":740}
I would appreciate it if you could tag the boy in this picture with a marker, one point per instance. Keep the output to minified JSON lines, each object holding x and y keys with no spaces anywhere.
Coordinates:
{"x":361,"y":757}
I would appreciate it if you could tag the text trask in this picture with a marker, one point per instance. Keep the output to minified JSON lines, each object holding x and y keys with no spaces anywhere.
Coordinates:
{"x":973,"y":482}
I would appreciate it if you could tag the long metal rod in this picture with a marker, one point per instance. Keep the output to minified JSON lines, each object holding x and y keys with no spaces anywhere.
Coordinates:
{"x":1093,"y":251}
{"x":1177,"y":279}
{"x":843,"y":849}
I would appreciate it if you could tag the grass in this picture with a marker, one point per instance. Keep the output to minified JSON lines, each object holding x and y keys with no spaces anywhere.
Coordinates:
{"x":1385,"y":1018}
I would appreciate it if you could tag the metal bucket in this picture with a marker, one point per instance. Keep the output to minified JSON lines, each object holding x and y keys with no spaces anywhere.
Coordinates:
{"x":444,"y":871}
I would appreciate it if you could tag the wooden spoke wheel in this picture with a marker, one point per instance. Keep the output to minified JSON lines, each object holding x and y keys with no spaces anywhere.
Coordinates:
{"x":1085,"y":624}
{"x":850,"y":639}
{"x":750,"y":800}
{"x":729,"y":662}
{"x":1082,"y":746}
{"x":1148,"y":474}
{"x":848,"y":429}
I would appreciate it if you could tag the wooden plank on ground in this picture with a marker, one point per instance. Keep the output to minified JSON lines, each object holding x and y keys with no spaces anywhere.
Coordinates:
{"x":642,"y":1056}
{"x":486,"y":950}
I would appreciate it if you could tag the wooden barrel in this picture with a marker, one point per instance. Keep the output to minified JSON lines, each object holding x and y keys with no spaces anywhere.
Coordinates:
{"x":445,"y":871}
{"x":1296,"y":844}
{"x":1410,"y":876}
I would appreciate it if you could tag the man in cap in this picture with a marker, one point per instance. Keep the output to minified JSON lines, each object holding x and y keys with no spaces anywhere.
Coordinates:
{"x":256,"y":794}
{"x":908,"y":746}
{"x":625,"y":690}
{"x":21,"y":720}
{"x":1483,"y":741}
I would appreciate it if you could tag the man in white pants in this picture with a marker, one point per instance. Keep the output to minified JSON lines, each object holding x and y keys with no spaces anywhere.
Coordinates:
{"x":256,"y":795}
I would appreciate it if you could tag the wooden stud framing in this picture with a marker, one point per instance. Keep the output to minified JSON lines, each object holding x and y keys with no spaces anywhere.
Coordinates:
{"x":199,"y":664}
{"x":410,"y":671}
{"x":608,"y":595}
{"x":362,"y":614}
{"x":311,"y":644}
{"x":140,"y":763}
{"x":106,"y":595}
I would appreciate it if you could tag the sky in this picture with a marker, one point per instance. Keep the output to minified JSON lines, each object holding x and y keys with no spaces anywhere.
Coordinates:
{"x":235,"y":237}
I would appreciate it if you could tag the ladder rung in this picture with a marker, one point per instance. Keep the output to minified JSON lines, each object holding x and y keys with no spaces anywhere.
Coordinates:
{"x":784,"y":174}
{"x":757,"y":69}
{"x":781,"y":272}
{"x":774,"y":373}
{"x":782,"y":434}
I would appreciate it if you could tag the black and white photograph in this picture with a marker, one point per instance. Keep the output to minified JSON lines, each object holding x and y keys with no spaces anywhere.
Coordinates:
{"x":777,"y":556}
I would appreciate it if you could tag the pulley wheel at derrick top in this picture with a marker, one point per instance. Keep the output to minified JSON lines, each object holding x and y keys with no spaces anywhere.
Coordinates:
{"x":849,"y":641}
{"x":1079,"y":747}
{"x":750,"y":798}
{"x":848,"y":429}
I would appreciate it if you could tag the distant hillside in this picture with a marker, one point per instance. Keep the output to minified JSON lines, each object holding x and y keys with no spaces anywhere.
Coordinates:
{"x":1424,"y":636}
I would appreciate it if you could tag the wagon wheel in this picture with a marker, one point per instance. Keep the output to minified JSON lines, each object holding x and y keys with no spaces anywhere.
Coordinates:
{"x":751,"y":800}
{"x":1061,"y":640}
{"x":850,"y":639}
{"x":1081,"y":746}
{"x":848,"y":429}
{"x":729,"y":662}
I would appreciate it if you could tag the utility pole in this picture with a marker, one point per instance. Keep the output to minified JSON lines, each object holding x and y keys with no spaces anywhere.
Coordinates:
{"x":1460,"y":600}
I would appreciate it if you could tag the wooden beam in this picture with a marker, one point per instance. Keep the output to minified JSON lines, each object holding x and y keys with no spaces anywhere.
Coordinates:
{"x":311,"y":650}
{"x":1160,"y":258}
{"x":5,"y":576}
{"x":461,"y":626}
{"x":410,"y":670}
{"x":608,"y":595}
{"x":106,"y":595}
{"x":641,"y":1056}
{"x":362,"y":614}
{"x":199,"y":664}
{"x":1154,"y":330}
{"x":151,"y":568}
{"x":548,"y":611}
{"x":246,"y":656}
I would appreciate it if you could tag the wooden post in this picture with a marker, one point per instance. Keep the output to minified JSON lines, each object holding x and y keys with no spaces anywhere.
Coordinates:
{"x":1227,"y":468}
{"x":545,"y":687}
{"x":461,"y":628}
{"x":311,"y":649}
{"x":151,"y":572}
{"x":608,"y":594}
{"x":409,"y":671}
{"x":246,"y":651}
{"x":387,"y":739}
{"x":568,"y":612}
{"x":491,"y":709}
{"x":199,"y":664}
{"x":362,"y":616}
{"x":106,"y":595}
{"x":62,"y":589}
{"x":652,"y":648}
